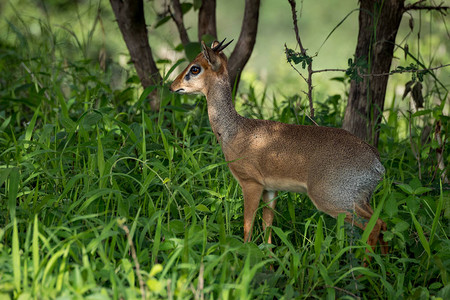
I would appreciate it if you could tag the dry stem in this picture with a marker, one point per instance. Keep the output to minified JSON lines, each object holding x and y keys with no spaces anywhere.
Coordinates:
{"x":136,"y":262}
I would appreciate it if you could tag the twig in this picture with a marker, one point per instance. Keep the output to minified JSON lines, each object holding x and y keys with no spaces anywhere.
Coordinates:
{"x":417,"y":6}
{"x":378,"y":74}
{"x":136,"y":262}
{"x":439,"y":152}
{"x":329,"y":70}
{"x":199,"y":294}
{"x":303,"y":51}
{"x":414,"y":151}
{"x":35,"y":79}
{"x":344,"y":291}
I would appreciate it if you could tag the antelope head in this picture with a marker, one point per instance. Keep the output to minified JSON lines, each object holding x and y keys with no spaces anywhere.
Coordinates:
{"x":205,"y":70}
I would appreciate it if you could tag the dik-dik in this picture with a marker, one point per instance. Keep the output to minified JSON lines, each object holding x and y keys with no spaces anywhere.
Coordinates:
{"x":337,"y":170}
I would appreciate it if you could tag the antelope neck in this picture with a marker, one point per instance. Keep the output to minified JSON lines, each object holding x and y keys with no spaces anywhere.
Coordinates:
{"x":223,"y":117}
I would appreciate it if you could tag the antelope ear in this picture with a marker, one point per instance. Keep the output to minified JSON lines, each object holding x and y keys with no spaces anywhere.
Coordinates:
{"x":212,"y":57}
{"x":215,"y":44}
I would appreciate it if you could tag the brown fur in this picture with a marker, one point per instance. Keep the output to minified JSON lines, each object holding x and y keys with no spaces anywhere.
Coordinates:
{"x":337,"y":170}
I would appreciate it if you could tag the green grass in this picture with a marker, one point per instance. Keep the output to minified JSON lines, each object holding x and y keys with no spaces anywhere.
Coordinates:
{"x":93,"y":185}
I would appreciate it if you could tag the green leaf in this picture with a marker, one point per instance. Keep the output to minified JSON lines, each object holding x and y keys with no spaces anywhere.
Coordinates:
{"x":435,"y":285}
{"x":172,"y":69}
{"x":401,"y":226}
{"x":422,"y":113}
{"x":185,"y":7}
{"x":422,"y":190}
{"x":391,"y":206}
{"x":413,"y":203}
{"x":5,"y":123}
{"x":388,"y":236}
{"x":4,"y":174}
{"x":155,"y":270}
{"x":406,"y":188}
{"x":68,"y":124}
{"x":192,"y":50}
{"x":197,"y":4}
{"x":162,"y":21}
{"x":91,"y":118}
{"x":202,"y":208}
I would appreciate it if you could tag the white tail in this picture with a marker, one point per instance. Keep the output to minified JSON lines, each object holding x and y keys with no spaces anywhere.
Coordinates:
{"x":337,"y":170}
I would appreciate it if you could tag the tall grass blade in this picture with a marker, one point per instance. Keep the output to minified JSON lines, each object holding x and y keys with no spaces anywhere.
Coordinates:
{"x":14,"y":179}
{"x":35,"y":247}
{"x":422,"y":238}
{"x":156,"y":240}
{"x":100,"y":160}
{"x":318,"y":239}
{"x":30,"y":128}
{"x":284,"y":238}
{"x":331,"y":293}
{"x":340,"y":234}
{"x":370,"y":225}
{"x":437,"y":214}
{"x":16,"y":257}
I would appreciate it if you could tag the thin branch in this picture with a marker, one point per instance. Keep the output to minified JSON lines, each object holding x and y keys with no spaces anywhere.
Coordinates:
{"x":303,"y":51}
{"x":329,"y":70}
{"x":177,"y":17}
{"x":407,"y":71}
{"x":380,"y":74}
{"x":294,"y":20}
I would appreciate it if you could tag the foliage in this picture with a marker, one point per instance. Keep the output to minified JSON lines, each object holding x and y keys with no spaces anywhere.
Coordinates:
{"x":297,"y":57}
{"x":80,"y":158}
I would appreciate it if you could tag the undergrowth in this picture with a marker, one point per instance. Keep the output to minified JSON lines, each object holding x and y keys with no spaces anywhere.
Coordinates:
{"x":82,"y":163}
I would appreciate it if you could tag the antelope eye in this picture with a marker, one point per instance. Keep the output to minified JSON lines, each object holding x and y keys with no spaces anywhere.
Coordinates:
{"x":195,"y":70}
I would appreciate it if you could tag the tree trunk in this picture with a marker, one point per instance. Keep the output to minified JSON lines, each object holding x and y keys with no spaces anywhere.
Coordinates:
{"x":246,"y":42}
{"x":207,"y":19}
{"x":379,"y":21}
{"x":131,"y":20}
